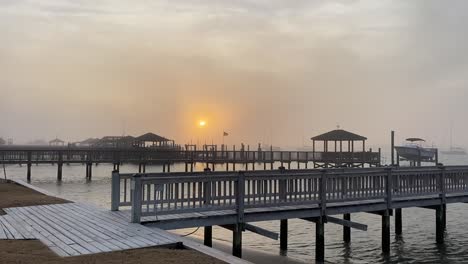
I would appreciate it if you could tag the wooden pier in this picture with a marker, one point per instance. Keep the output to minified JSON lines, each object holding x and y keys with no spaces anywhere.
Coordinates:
{"x":236,"y":200}
{"x":232,"y":159}
{"x":74,"y":229}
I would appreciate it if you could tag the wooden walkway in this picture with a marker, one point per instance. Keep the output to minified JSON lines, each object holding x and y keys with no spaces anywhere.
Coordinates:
{"x":76,"y":229}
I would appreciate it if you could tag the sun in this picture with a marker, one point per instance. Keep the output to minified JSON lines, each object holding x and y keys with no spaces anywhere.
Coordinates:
{"x":202,"y":123}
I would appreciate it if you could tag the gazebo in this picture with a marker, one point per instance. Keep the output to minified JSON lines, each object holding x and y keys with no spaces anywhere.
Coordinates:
{"x":339,"y":136}
{"x":339,"y":150}
{"x":56,"y":142}
{"x":153,"y":140}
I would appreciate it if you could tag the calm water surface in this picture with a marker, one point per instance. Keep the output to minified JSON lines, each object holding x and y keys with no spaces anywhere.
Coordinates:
{"x":417,"y":245}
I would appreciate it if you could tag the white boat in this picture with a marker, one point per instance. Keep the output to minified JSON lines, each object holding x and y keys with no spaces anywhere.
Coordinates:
{"x":414,"y":151}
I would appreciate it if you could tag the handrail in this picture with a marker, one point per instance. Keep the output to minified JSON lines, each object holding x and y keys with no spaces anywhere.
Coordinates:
{"x":171,"y":193}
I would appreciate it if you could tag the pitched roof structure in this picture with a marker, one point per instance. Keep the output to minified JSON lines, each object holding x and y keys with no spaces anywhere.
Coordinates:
{"x":339,"y":135}
{"x":151,"y":137}
{"x":55,"y":141}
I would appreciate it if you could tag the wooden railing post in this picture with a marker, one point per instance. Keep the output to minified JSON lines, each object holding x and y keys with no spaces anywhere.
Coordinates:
{"x":388,"y":187}
{"x":208,"y":230}
{"x":136,"y":188}
{"x":115,"y":191}
{"x":323,"y":193}
{"x":442,"y":191}
{"x":240,"y":194}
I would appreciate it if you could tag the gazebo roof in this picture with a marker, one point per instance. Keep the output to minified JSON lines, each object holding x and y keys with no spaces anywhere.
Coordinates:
{"x":338,"y":135}
{"x":151,"y":137}
{"x":56,"y":141}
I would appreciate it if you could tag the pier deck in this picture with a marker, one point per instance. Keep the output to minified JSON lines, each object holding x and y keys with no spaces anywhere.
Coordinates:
{"x":74,"y":229}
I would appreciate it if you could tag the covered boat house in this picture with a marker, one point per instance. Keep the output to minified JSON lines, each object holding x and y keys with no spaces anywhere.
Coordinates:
{"x":153,"y":140}
{"x":339,"y":150}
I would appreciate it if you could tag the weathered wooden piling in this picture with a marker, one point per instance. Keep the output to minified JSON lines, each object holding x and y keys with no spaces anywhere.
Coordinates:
{"x":440,"y":212}
{"x":320,"y":240}
{"x":398,"y":221}
{"x":347,"y":229}
{"x":386,"y":231}
{"x":284,"y":234}
{"x":208,"y":236}
{"x":237,"y":240}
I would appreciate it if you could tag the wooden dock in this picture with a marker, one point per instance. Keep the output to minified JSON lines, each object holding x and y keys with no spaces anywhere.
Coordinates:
{"x":235,"y":200}
{"x":232,"y":159}
{"x":74,"y":229}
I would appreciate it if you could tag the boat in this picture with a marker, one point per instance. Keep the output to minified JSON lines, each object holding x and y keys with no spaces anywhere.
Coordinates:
{"x":414,"y":151}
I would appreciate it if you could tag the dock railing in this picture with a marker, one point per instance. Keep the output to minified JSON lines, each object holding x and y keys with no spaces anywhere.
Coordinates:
{"x":159,"y":194}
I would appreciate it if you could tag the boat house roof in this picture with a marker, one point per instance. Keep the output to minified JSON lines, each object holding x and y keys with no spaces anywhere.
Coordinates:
{"x":339,"y":135}
{"x":151,"y":137}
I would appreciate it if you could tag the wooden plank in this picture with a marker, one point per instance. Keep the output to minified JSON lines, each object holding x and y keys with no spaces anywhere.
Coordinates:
{"x":17,"y":225}
{"x":13,"y":232}
{"x":48,"y":237}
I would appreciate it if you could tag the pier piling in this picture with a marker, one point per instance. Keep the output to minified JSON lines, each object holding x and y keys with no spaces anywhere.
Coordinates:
{"x":284,"y":234}
{"x":386,"y":232}
{"x":398,"y":221}
{"x":320,"y":240}
{"x":237,"y":240}
{"x":347,"y":229}
{"x":440,"y":215}
{"x":208,"y":236}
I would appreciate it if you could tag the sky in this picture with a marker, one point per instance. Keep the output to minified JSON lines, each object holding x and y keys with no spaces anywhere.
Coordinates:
{"x":270,"y":71}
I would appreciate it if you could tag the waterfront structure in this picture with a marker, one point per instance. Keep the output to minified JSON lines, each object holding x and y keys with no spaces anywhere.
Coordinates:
{"x":343,"y":155}
{"x":210,"y":156}
{"x":56,"y":142}
{"x":236,"y":200}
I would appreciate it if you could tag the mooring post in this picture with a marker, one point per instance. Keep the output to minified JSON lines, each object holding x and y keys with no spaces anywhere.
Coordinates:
{"x":444,"y":215}
{"x":115,"y":191}
{"x":347,"y":229}
{"x":386,"y":232}
{"x":320,"y":240}
{"x":140,"y":168}
{"x":398,"y":221}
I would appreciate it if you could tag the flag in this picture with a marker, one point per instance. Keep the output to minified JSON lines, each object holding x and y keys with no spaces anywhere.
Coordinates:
{"x":225,"y":134}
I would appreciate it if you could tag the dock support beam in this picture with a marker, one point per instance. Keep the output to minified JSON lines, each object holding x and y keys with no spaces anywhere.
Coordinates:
{"x":237,"y":240}
{"x":386,"y":232}
{"x":208,"y":238}
{"x":398,"y":222}
{"x":347,"y":229}
{"x":284,"y":234}
{"x":28,"y":176}
{"x":320,"y":240}
{"x":440,"y":215}
{"x":59,"y":171}
{"x":89,"y":171}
